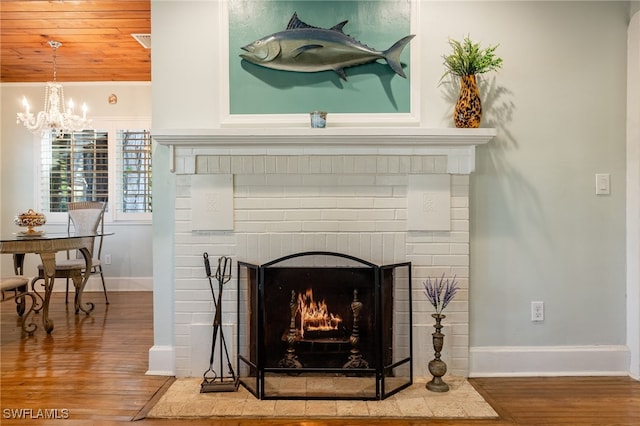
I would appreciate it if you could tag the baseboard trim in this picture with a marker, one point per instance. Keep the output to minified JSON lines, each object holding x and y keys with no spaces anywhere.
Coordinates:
{"x":162,"y":361}
{"x":112,"y":284}
{"x":527,"y":361}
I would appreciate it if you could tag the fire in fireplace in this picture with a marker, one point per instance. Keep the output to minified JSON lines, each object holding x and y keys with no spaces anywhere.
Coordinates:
{"x":315,"y":318}
{"x":322,"y":317}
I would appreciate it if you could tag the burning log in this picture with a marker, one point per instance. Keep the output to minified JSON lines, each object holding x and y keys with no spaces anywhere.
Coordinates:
{"x":315,"y":316}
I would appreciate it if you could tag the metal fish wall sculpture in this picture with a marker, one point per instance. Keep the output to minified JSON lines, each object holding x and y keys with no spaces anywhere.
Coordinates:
{"x":304,"y":48}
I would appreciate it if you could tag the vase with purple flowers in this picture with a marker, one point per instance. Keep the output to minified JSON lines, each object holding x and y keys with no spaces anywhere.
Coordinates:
{"x":439,"y":292}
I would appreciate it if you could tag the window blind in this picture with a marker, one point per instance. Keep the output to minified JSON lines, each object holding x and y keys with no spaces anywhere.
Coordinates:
{"x":75,"y":167}
{"x":134,"y":171}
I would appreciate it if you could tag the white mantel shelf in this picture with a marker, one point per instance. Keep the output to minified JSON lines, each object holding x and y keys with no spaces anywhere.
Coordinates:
{"x":331,"y":136}
{"x":457,"y":144}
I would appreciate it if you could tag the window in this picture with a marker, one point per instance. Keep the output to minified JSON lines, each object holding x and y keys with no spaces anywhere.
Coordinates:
{"x":110,"y":164}
{"x":76,"y":168}
{"x":134,"y":169}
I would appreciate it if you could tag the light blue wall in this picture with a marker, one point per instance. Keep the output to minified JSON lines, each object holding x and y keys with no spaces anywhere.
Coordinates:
{"x":538,"y":231}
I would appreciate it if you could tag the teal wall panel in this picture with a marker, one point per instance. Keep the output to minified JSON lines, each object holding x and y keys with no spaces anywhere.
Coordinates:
{"x":370,"y":88}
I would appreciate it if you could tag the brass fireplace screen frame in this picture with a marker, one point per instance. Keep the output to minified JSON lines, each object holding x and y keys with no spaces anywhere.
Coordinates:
{"x":275,"y":362}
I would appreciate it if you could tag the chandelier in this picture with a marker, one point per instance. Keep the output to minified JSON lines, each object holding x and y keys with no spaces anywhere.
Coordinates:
{"x":54,"y":117}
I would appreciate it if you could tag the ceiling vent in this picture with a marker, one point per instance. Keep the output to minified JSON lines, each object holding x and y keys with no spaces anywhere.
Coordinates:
{"x":143,"y":39}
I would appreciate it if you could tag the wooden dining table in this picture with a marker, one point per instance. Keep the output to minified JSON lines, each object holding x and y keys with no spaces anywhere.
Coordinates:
{"x":47,"y":245}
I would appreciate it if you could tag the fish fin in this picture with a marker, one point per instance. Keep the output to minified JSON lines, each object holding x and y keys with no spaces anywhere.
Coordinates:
{"x":295,"y":23}
{"x":339,"y":27}
{"x":392,"y":55}
{"x":300,"y":50}
{"x":340,"y":72}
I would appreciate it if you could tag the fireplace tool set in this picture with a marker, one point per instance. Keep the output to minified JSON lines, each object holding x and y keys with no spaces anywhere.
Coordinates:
{"x":214,"y":382}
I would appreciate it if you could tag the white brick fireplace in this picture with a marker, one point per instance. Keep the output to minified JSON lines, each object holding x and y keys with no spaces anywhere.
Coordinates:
{"x":381,"y":194}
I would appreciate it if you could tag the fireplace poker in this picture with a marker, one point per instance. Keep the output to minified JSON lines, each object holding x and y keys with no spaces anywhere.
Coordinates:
{"x":212,"y":381}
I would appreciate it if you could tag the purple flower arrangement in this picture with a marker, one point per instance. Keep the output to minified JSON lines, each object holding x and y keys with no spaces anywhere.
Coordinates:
{"x":433,"y":290}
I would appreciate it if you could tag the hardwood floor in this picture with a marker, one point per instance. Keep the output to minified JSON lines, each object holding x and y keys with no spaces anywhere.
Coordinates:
{"x":91,"y":369}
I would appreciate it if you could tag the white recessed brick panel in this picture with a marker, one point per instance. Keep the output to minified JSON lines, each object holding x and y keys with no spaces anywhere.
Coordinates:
{"x":429,"y":203}
{"x":212,"y":202}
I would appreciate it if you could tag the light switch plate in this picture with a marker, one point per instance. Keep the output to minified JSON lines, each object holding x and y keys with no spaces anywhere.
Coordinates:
{"x":603,"y":184}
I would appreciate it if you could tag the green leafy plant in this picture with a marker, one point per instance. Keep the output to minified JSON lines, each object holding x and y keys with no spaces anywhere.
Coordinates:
{"x":467,"y":58}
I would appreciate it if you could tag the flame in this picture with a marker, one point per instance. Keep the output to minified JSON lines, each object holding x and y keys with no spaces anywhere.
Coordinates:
{"x":315,"y":316}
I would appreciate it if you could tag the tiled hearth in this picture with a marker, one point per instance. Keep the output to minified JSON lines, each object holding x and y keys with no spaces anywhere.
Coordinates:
{"x":183,"y":400}
{"x":386,"y":195}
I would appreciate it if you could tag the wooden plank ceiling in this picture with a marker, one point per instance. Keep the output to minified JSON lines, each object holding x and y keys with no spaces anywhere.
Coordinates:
{"x":96,"y":40}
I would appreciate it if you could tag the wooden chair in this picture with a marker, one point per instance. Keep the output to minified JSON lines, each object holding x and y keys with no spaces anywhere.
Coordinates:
{"x":84,"y":217}
{"x":19,"y":286}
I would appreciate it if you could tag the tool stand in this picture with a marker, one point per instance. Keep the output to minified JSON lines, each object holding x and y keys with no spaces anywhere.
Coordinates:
{"x":214,"y":382}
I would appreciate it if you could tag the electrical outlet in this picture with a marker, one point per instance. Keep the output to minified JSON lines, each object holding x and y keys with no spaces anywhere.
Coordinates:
{"x":537,"y":311}
{"x":107,"y":259}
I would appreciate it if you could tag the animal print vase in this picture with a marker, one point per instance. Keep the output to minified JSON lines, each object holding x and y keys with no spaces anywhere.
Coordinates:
{"x":468,"y":110}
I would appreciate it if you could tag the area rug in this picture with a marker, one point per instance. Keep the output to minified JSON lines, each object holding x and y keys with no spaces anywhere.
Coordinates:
{"x":183,"y":400}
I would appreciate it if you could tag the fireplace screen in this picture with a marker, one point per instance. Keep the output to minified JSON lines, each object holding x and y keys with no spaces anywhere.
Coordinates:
{"x":321,"y":325}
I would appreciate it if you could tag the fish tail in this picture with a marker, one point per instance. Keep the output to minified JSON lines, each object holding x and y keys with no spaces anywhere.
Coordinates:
{"x":392,"y":55}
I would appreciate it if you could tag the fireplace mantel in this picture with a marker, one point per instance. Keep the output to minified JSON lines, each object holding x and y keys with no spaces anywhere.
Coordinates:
{"x":457,"y":144}
{"x":268,"y":192}
{"x":332,"y":136}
